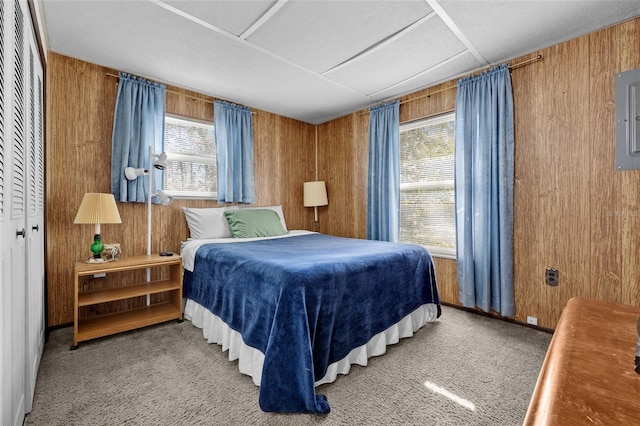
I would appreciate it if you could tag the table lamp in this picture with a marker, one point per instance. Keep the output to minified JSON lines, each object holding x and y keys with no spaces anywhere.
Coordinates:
{"x":315,"y":195}
{"x":97,"y":208}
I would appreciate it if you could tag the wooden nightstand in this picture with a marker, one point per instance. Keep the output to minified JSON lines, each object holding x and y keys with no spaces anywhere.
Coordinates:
{"x":104,"y":325}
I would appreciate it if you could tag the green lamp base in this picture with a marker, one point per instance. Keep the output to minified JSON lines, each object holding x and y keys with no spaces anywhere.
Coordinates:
{"x":97,"y":246}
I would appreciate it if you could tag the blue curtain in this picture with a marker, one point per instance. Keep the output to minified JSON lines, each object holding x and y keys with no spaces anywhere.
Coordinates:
{"x":234,"y":150}
{"x":484,"y":159}
{"x":138,"y":122}
{"x":383,"y":192}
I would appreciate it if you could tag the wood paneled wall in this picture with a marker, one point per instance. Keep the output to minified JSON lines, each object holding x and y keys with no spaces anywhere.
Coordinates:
{"x":342,"y":164}
{"x":80,"y":103}
{"x":572,"y":210}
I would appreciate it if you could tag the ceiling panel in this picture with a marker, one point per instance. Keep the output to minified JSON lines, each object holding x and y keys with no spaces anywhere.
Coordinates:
{"x":319,"y":35}
{"x":511,"y":28}
{"x":401,"y":59}
{"x":233,"y":16}
{"x":107,"y":33}
{"x":455,"y":67}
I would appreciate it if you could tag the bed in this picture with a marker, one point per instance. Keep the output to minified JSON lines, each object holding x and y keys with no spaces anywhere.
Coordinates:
{"x":298,"y":308}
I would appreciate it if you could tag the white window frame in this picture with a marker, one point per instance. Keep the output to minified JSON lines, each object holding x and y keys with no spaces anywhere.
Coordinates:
{"x":172,"y":156}
{"x":436,"y":251}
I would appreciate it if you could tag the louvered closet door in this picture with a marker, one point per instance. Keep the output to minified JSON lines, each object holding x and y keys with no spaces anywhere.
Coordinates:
{"x":34,"y":308}
{"x":5,"y":246}
{"x":15,"y":136}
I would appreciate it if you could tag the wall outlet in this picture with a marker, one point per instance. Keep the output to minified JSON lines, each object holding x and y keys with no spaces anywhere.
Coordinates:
{"x":532,"y":320}
{"x":551,"y":277}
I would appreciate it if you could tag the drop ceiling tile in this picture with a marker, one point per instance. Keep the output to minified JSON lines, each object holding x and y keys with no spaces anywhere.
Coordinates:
{"x":457,"y":67}
{"x":232,"y":16}
{"x":319,"y":35}
{"x":418,"y":50}
{"x":513,"y":28}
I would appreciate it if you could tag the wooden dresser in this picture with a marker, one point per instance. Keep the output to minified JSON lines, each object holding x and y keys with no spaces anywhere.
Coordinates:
{"x":588,"y":376}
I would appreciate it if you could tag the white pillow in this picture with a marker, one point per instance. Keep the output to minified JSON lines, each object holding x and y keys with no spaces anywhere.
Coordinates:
{"x":208,"y":223}
{"x":277,"y":209}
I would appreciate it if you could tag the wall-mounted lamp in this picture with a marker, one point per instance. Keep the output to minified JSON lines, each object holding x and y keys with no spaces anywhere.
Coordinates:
{"x":315,"y":195}
{"x":97,"y":208}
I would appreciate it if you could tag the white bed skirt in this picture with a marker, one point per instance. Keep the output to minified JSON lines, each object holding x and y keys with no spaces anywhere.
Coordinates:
{"x":250,"y":360}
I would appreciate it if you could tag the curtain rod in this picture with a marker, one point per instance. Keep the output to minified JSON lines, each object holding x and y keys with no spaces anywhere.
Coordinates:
{"x":195,"y":98}
{"x":453,"y":86}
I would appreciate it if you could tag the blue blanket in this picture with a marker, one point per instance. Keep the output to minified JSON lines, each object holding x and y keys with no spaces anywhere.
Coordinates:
{"x":307,"y":301}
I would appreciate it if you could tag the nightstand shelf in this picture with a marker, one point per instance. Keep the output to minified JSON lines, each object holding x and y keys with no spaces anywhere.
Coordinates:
{"x":111,"y":294}
{"x":130,"y":319}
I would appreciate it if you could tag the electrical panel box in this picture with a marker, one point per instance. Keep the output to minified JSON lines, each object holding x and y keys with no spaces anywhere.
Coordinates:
{"x":628,"y":120}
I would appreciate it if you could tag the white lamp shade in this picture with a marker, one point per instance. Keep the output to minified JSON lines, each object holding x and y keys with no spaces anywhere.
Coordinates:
{"x":132,"y":174}
{"x":98,"y":208}
{"x":161,"y":162}
{"x":315,"y":194}
{"x":163,"y":198}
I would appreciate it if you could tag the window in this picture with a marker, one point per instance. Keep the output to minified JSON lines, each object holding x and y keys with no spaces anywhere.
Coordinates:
{"x":191,"y":154}
{"x":427,"y":205}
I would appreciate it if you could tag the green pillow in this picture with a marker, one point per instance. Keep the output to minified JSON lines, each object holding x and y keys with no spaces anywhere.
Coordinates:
{"x":254,"y":223}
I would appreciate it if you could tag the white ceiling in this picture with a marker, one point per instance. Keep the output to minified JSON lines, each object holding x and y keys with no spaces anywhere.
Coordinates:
{"x":314,"y":60}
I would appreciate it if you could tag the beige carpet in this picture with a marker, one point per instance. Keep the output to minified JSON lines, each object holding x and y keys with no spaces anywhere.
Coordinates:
{"x":464,"y":369}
